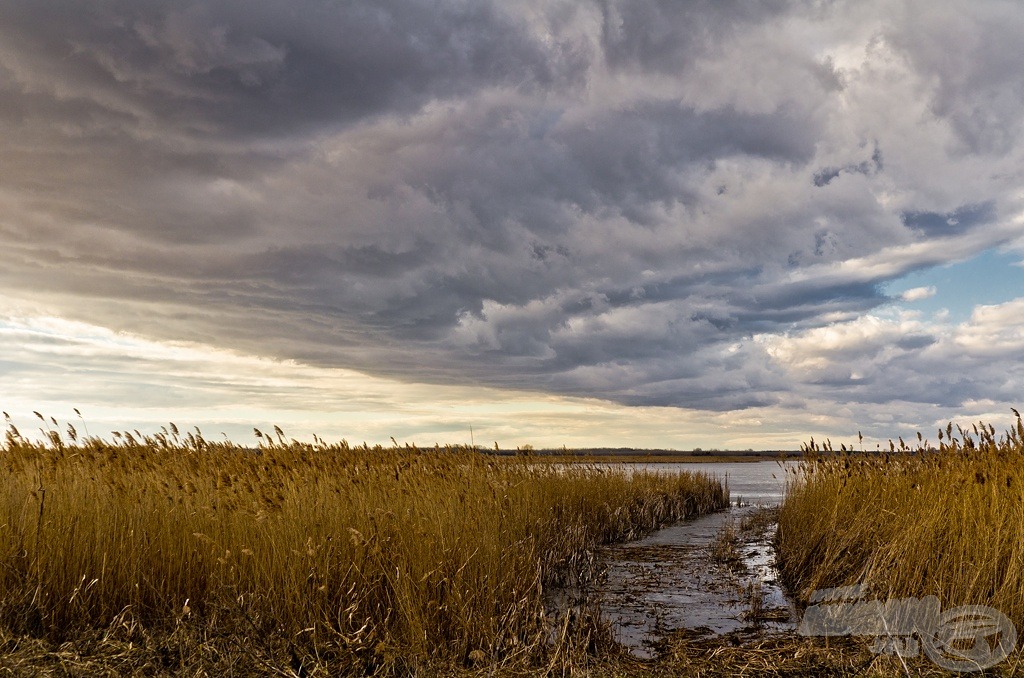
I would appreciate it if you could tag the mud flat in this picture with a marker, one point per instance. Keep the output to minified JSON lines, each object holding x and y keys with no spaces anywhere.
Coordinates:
{"x":703,"y":578}
{"x":673,"y":581}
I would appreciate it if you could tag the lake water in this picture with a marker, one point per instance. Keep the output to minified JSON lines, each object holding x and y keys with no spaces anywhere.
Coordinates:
{"x":759,"y":483}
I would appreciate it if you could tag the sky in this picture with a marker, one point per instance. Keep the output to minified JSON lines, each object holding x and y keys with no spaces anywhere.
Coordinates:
{"x":626,"y":223}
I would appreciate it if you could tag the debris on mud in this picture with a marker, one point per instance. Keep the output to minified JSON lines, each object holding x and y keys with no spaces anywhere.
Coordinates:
{"x":709,"y":577}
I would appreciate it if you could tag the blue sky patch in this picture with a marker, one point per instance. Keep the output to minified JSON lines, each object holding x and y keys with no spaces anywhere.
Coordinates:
{"x":992,"y":277}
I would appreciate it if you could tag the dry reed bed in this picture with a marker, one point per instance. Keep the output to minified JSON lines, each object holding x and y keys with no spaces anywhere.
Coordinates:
{"x":350,"y":559}
{"x":945,"y":521}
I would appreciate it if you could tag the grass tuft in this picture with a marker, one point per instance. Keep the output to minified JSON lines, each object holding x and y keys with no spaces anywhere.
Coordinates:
{"x":914,"y":521}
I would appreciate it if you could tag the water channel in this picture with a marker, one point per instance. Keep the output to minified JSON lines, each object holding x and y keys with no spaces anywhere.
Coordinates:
{"x":669,"y":580}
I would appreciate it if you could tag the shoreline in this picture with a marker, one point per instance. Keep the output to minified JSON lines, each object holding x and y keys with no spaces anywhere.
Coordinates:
{"x":669,"y":458}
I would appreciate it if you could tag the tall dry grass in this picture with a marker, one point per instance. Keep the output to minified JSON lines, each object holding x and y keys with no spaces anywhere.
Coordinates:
{"x":356,"y":559}
{"x":923,"y":520}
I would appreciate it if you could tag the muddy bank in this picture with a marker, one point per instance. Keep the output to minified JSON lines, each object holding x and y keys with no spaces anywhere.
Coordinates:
{"x":704,"y":578}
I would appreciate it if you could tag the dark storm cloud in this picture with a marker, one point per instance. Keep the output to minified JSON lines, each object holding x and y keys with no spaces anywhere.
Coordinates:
{"x":610,"y":199}
{"x":824,"y":177}
{"x":961,"y":219}
{"x":981,"y":93}
{"x":227,"y":68}
{"x":664,"y":35}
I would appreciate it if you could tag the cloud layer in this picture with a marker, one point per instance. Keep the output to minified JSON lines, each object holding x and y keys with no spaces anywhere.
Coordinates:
{"x":649,"y":202}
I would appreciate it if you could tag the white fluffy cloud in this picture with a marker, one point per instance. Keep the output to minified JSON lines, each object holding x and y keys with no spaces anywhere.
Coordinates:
{"x":918,"y":293}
